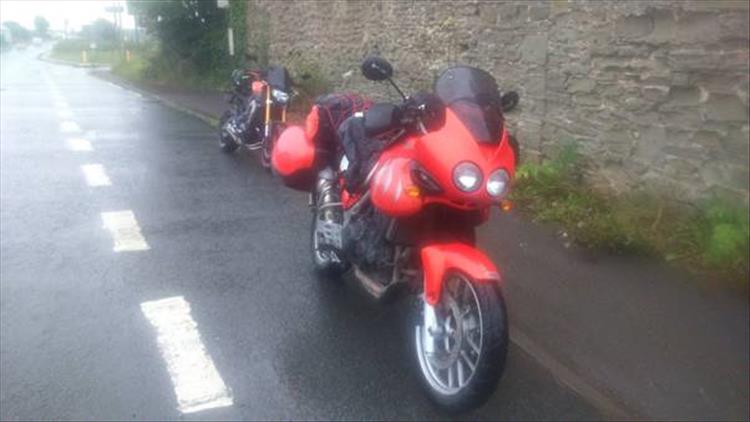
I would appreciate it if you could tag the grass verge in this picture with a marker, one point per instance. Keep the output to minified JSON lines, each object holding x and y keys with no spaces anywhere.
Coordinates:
{"x":72,"y":51}
{"x":710,"y":239}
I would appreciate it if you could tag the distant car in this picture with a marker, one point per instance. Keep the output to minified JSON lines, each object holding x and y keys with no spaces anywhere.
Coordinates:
{"x":36,"y":41}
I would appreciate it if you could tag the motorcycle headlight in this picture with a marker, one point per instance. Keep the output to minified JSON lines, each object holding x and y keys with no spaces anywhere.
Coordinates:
{"x":280,"y":96}
{"x":467,"y":176}
{"x":497,"y":183}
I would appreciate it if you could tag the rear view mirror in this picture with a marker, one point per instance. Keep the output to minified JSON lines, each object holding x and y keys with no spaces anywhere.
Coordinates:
{"x":376,"y":68}
{"x":509,"y":100}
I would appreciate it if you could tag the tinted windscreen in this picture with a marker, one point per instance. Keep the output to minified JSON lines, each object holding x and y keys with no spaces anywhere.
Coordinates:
{"x":278,"y":78}
{"x":473,"y":95}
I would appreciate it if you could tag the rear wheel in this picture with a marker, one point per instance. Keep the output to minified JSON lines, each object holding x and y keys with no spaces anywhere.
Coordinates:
{"x":461,"y":352}
{"x":226,"y":142}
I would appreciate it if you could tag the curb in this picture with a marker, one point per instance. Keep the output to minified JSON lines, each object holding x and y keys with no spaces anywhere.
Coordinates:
{"x":45,"y":58}
{"x":113,"y":79}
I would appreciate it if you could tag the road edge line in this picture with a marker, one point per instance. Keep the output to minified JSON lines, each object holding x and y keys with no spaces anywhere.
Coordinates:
{"x":610,"y":408}
{"x":206,"y":118}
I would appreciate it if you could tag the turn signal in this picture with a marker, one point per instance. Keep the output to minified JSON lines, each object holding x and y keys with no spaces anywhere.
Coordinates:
{"x":506,"y":205}
{"x":413,"y":191}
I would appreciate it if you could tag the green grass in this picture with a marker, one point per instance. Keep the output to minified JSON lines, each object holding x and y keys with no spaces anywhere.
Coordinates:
{"x":71,"y":51}
{"x":148,"y":64}
{"x":133,"y":70}
{"x":710,"y":239}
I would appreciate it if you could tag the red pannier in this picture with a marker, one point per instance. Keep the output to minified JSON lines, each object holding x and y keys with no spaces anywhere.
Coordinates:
{"x":300,"y":153}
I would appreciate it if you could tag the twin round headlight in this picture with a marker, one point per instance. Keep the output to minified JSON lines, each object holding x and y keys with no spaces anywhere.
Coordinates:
{"x":468,"y":178}
{"x":497,"y":184}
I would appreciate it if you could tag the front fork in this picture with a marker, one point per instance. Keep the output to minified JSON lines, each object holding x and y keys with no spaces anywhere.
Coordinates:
{"x":431,"y":327}
{"x":267,"y":117}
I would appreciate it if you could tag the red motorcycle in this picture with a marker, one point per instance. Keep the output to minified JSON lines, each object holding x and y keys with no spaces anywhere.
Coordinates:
{"x":396,"y":192}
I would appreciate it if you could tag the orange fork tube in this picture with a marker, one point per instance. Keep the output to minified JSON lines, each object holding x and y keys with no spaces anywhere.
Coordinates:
{"x":268,"y":110}
{"x":439,"y":259}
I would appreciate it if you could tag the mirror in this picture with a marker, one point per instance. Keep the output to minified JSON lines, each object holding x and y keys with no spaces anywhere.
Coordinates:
{"x":509,"y":100}
{"x":376,"y":68}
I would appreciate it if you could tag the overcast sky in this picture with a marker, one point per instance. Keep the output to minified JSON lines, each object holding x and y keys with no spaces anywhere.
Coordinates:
{"x":77,"y":12}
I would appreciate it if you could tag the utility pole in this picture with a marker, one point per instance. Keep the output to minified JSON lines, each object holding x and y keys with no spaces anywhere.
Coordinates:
{"x":224,"y":4}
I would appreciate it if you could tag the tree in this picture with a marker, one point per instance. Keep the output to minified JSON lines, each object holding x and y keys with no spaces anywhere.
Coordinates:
{"x":192,"y":31}
{"x":100,"y":31}
{"x":17,"y":32}
{"x":41,"y":26}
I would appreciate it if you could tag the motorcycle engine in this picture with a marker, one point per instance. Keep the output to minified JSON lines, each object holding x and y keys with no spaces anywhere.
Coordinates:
{"x":365,"y":243}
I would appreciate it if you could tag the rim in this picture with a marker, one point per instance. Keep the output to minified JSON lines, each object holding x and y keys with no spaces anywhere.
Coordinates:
{"x":457,"y":341}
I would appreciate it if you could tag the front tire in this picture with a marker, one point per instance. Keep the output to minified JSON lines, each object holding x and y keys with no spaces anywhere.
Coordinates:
{"x":268,"y":144}
{"x":469,"y":345}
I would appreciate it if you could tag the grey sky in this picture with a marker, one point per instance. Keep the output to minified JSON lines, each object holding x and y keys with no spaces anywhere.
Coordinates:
{"x":78,"y":12}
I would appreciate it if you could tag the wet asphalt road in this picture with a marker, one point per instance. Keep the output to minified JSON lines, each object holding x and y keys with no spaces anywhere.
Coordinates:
{"x":224,"y":236}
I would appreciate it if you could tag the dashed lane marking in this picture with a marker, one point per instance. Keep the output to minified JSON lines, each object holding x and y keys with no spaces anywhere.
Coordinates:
{"x":95,"y":175}
{"x":69,"y":126}
{"x":125,"y":231}
{"x":79,"y":144}
{"x":196,"y":381}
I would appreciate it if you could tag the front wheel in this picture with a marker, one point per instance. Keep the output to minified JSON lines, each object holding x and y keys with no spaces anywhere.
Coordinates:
{"x":268,"y":143}
{"x":462,"y":346}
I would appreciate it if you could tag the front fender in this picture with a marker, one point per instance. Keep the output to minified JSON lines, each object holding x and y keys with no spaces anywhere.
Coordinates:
{"x":440,"y":258}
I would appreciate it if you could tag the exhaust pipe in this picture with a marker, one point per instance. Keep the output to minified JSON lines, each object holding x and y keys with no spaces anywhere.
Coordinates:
{"x":377,"y":290}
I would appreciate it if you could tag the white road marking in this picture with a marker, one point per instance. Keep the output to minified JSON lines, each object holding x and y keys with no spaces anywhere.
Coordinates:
{"x":197,"y":384}
{"x":69,"y":126}
{"x":64,"y":113}
{"x":125,"y":231}
{"x":95,"y":175}
{"x":79,"y":144}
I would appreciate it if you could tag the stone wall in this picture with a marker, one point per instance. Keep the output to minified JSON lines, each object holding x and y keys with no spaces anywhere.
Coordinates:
{"x":654,"y":93}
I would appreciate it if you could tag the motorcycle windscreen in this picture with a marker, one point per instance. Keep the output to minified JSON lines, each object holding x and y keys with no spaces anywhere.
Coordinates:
{"x":278,"y":78}
{"x":472,"y":94}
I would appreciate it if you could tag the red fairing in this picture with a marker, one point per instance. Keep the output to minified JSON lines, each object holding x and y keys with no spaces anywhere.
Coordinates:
{"x":441,"y":258}
{"x":293,"y":158}
{"x":391,"y":188}
{"x":440,"y":151}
